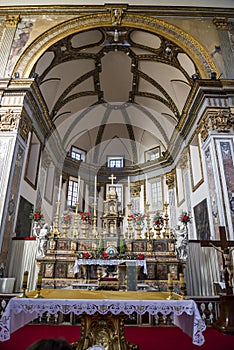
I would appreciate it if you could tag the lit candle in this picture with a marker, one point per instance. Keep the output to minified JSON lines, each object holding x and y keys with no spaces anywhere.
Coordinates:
{"x":60,"y":188}
{"x":95,"y":189}
{"x":78,"y":189}
{"x":129,"y":190}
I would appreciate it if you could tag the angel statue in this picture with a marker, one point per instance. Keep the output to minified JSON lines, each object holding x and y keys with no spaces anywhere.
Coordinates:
{"x":41,"y":236}
{"x":181,"y":236}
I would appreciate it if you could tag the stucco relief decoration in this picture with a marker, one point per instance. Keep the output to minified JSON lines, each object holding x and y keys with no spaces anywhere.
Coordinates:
{"x":222,"y":121}
{"x":231,"y":35}
{"x":170,"y":179}
{"x":9,"y":121}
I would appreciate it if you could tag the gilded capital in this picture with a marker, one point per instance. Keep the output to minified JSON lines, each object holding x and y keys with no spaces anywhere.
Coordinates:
{"x":11,"y":21}
{"x":9,"y":120}
{"x":221,"y":23}
{"x":171,"y":179}
{"x":222,"y":121}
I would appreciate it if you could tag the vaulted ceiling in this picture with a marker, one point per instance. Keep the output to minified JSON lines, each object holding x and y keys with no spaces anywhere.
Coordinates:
{"x":115,"y":91}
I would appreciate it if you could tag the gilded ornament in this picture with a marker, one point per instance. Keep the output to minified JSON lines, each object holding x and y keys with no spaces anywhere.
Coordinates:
{"x":9,"y":121}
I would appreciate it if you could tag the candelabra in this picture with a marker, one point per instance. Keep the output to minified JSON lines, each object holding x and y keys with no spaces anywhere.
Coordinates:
{"x":148,"y":232}
{"x":129,"y":228}
{"x":55,"y":231}
{"x":166,"y":233}
{"x":94,"y":230}
{"x":75,"y":231}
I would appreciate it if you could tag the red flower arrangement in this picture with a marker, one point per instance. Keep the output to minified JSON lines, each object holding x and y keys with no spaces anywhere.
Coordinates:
{"x":141,"y":256}
{"x":105,"y":255}
{"x":138,"y":218}
{"x":86,"y":217}
{"x":86,"y":255}
{"x":185,"y":217}
{"x":66,"y":219}
{"x":36,"y":215}
{"x":158,"y":219}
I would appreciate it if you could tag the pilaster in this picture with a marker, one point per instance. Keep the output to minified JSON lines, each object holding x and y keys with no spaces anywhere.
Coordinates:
{"x":7,"y":40}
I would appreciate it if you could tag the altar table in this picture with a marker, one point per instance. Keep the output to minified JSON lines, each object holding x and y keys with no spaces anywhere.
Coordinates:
{"x":21,"y":311}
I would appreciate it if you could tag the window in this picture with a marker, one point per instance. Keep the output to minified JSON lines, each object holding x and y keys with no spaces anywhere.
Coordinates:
{"x":77,"y":154}
{"x":32,"y":167}
{"x":72,"y":195}
{"x":115,"y":162}
{"x":156,"y":195}
{"x":152,"y":154}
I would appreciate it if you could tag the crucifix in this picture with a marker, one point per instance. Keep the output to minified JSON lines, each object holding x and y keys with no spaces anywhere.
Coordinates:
{"x":224,"y":247}
{"x":112,"y":178}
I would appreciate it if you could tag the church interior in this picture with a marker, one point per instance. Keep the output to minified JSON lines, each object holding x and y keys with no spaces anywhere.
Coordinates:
{"x":116,"y":149}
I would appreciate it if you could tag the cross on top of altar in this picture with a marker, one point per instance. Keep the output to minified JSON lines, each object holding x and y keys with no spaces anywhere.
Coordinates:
{"x":112,"y":178}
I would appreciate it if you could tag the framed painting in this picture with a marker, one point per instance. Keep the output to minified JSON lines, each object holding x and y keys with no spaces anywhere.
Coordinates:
{"x":32,"y":163}
{"x":160,"y":246}
{"x":139,"y":246}
{"x":202,"y":220}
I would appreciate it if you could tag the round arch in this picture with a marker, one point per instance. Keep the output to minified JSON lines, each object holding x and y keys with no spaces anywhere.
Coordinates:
{"x":191,"y":46}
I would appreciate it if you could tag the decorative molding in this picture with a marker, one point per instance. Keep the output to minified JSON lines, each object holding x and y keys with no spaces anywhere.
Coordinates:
{"x":191,"y":46}
{"x":11,"y":21}
{"x":171,"y":179}
{"x":219,"y":120}
{"x":222,"y":121}
{"x":25,"y":126}
{"x":9,"y":120}
{"x":221,"y":23}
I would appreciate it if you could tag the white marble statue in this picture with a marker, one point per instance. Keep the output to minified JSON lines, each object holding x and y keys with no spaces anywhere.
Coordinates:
{"x":181,"y":236}
{"x":41,"y":236}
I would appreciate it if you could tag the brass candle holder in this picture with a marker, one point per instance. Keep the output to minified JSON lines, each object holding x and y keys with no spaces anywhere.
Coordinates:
{"x":170,"y":287}
{"x":24,"y":286}
{"x":182,"y":286}
{"x":39,"y":283}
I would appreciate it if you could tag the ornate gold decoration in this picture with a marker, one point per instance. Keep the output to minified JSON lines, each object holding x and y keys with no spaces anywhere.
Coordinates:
{"x":116,"y":12}
{"x":135,"y":189}
{"x":171,"y":179}
{"x":221,"y":23}
{"x":222,"y":121}
{"x":11,"y":21}
{"x":191,"y":46}
{"x":9,"y":120}
{"x":203,"y":128}
{"x":25,"y":126}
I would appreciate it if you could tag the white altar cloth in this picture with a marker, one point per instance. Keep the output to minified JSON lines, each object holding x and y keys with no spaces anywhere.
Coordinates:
{"x":106,"y":262}
{"x":21,"y":311}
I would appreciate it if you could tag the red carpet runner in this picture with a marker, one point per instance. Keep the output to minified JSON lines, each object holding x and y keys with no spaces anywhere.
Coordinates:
{"x":148,"y":338}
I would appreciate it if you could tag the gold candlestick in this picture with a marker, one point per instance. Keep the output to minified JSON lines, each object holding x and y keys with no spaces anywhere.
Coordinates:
{"x":39,"y":284}
{"x":75,"y":231}
{"x":94,"y":230}
{"x":166,"y":232}
{"x":182,"y":286}
{"x":129,"y":228}
{"x":55,"y":231}
{"x":170,"y":287}
{"x":148,"y":233}
{"x":25,"y":284}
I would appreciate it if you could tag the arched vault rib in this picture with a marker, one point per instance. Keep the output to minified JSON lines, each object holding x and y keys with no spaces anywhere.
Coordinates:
{"x":156,"y":123}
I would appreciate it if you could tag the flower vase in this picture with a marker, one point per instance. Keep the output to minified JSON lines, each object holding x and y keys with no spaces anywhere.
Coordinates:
{"x":158,"y":231}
